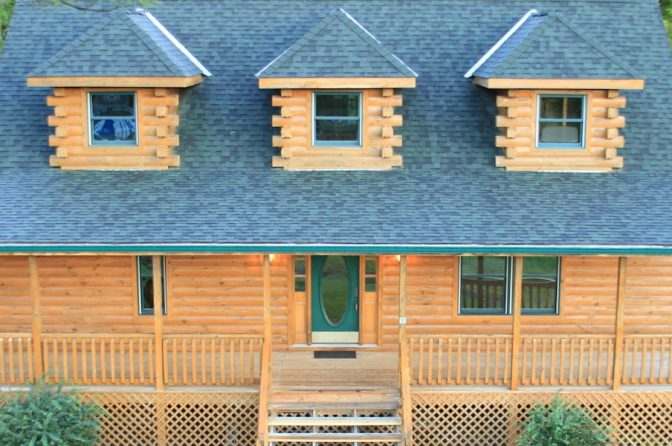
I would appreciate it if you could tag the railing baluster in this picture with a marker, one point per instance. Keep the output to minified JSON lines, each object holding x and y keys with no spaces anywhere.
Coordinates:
{"x":439,"y":361}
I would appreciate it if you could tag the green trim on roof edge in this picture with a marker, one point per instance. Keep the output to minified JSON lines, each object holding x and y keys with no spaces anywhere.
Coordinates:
{"x":313,"y":249}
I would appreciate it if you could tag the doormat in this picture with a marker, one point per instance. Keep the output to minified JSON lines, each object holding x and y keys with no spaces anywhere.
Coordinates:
{"x":336,"y":355}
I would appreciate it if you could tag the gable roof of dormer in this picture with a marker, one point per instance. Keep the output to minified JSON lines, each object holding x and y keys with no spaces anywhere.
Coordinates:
{"x":130,"y":44}
{"x":337,"y":47}
{"x":547,"y":46}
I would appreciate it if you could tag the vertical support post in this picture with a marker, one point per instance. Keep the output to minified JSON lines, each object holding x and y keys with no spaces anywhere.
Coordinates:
{"x":157,"y":284}
{"x":265,"y":374}
{"x":404,"y":360}
{"x":38,"y":363}
{"x":620,"y":312}
{"x":515,"y":326}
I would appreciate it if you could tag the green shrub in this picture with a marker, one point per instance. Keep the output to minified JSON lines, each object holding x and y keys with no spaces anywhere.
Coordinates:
{"x":561,"y":424}
{"x":47,"y":416}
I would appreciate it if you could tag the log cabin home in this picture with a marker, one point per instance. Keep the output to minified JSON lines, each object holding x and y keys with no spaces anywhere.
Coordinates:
{"x":339,"y":222}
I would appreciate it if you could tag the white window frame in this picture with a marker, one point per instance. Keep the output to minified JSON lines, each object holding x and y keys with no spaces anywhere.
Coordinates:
{"x":337,"y":144}
{"x":93,"y":143}
{"x":562,"y":146}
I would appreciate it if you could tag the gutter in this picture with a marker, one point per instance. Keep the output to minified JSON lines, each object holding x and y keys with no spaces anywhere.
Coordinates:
{"x":284,"y":248}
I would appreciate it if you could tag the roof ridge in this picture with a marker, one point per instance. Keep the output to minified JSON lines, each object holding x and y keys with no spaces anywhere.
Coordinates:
{"x":150,"y":44}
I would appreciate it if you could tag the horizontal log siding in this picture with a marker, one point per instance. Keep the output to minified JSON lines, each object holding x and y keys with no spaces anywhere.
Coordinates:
{"x":15,"y":306}
{"x":648,"y":296}
{"x":90,"y":294}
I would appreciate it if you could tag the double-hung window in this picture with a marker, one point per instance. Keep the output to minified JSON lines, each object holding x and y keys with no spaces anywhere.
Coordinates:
{"x":337,"y":119}
{"x":561,"y":122}
{"x":113,"y":119}
{"x":146,"y":285}
{"x":486,"y":285}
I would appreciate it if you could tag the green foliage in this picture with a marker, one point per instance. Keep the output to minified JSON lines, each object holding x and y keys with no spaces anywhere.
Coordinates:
{"x":561,"y":424}
{"x":6,"y":8}
{"x":47,"y":416}
{"x":666,"y":9}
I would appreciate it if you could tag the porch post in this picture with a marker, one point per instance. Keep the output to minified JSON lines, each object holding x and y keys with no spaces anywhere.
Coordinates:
{"x":618,"y":337}
{"x":404,"y":360}
{"x":515,"y":329}
{"x":158,"y":320}
{"x":265,"y":374}
{"x":38,"y":364}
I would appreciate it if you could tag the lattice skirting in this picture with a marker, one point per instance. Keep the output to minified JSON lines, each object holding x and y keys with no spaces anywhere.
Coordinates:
{"x":172,"y":419}
{"x":493,"y":419}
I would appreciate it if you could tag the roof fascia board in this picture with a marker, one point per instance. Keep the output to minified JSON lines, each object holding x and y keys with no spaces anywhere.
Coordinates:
{"x":501,"y":42}
{"x":337,"y":82}
{"x":116,"y":81}
{"x":593,"y":84}
{"x":335,"y":248}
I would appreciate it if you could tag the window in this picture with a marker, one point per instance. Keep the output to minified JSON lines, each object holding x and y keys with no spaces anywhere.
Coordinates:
{"x":146,"y":285}
{"x":337,"y":119}
{"x":540,"y":285}
{"x":300,"y":273}
{"x":112,"y":119}
{"x":561,"y":123}
{"x":486,"y":285}
{"x":370,"y":274}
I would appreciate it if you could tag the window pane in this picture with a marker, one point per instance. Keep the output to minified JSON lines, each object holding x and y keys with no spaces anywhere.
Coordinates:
{"x":560,"y":132}
{"x":370,"y":284}
{"x":540,"y":284}
{"x":146,"y":285}
{"x":113,"y":104}
{"x":561,"y":108}
{"x":370,"y":266}
{"x":341,"y":105}
{"x":483,"y":285}
{"x":300,"y":266}
{"x":337,"y":130}
{"x":300,"y":284}
{"x":119,"y":130}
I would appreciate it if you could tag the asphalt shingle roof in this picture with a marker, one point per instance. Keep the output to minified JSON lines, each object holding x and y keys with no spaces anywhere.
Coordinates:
{"x":338,"y":46}
{"x":448,"y":191}
{"x":128,"y":44}
{"x":548,"y":46}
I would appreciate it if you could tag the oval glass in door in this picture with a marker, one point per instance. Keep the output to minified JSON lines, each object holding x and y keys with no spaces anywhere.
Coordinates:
{"x":334,"y":293}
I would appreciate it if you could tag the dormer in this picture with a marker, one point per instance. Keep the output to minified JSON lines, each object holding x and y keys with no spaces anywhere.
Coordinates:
{"x":558,"y":97}
{"x":116,"y":94}
{"x":338,"y":87}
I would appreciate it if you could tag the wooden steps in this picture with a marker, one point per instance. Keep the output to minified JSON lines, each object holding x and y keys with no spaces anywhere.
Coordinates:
{"x":337,"y":438}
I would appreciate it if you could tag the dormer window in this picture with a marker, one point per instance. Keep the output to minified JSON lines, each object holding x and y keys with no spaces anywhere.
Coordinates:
{"x":337,"y":119}
{"x":561,"y":122}
{"x":113,"y":119}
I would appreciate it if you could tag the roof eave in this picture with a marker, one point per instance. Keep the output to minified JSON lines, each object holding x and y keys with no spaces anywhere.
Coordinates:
{"x":589,"y":84}
{"x":115,"y":81}
{"x":337,"y":82}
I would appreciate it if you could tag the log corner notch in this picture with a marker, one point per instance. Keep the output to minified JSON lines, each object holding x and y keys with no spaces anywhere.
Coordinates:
{"x":157,"y":120}
{"x":517,"y":138}
{"x":378,"y":137}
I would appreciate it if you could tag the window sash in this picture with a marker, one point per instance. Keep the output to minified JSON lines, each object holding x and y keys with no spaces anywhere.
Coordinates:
{"x":540,"y":120}
{"x":93,"y":117}
{"x":556,"y":277}
{"x":356,"y":143}
{"x":142,"y":310}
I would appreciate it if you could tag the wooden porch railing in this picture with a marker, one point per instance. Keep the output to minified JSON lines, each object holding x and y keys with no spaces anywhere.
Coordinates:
{"x":16,"y":358}
{"x":213,"y":360}
{"x":545,"y":360}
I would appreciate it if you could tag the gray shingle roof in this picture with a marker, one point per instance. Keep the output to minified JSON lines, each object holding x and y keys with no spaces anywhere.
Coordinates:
{"x":548,"y":46}
{"x":128,"y":44}
{"x":448,"y":191}
{"x":338,"y":46}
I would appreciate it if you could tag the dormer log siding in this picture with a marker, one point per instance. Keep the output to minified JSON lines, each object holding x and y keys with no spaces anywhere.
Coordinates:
{"x":517,"y":120}
{"x":157,"y":121}
{"x":378,"y":136}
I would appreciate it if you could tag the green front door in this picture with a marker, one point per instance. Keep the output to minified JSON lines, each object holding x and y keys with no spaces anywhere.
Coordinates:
{"x":335,"y":299}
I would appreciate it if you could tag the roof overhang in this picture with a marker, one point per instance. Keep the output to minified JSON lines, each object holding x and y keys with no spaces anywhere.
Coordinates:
{"x":589,"y":84}
{"x":116,"y":81}
{"x":382,"y":249}
{"x":337,"y":82}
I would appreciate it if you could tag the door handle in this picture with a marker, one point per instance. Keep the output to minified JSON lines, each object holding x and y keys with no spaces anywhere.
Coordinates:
{"x":356,"y":302}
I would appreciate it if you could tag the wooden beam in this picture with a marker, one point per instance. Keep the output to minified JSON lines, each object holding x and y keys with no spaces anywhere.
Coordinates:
{"x":515,"y":329}
{"x":593,"y":84}
{"x":265,"y":378}
{"x":157,"y":285}
{"x":404,"y":360}
{"x":117,"y":81}
{"x":38,"y":363}
{"x":618,"y":322}
{"x":337,"y":82}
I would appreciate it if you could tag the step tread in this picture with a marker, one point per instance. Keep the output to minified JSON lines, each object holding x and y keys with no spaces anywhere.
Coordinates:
{"x":332,"y":406}
{"x":334,"y":421}
{"x":316,"y":437}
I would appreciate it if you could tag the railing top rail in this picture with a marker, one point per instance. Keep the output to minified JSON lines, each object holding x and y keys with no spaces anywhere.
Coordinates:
{"x":648,"y":336}
{"x":16,"y":335}
{"x":213,"y":336}
{"x":566,"y":336}
{"x":462,"y":336}
{"x":97,"y":336}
